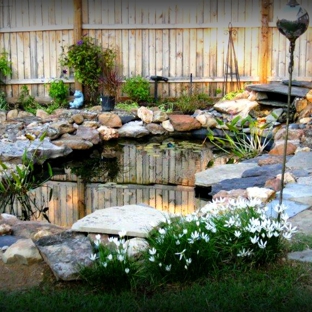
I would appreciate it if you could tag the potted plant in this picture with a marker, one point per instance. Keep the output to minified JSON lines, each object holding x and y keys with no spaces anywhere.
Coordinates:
{"x":111,"y":80}
{"x":85,"y":57}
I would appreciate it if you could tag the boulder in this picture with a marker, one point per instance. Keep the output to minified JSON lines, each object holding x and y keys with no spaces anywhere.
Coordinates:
{"x":136,"y":220}
{"x":133,"y":129}
{"x":110,"y":120}
{"x":184,"y":123}
{"x":65,"y":253}
{"x":23,"y":251}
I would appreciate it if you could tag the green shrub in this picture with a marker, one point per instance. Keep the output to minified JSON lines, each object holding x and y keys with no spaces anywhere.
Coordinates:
{"x":58,"y":91}
{"x":5,"y":65}
{"x":187,"y":103}
{"x":137,"y":88}
{"x":27,"y":101}
{"x":3,"y":101}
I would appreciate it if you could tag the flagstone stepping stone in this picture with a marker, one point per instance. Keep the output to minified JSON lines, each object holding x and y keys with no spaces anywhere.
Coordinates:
{"x":136,"y":220}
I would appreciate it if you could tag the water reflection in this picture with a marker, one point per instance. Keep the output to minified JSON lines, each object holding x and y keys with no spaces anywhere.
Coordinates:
{"x":160,"y":174}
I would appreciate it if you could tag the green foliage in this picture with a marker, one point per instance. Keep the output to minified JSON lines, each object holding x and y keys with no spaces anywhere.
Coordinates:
{"x":58,"y":91}
{"x":137,"y":88}
{"x":94,"y":67}
{"x":113,"y":265}
{"x":128,"y":105}
{"x":16,"y":183}
{"x":231,"y":95}
{"x":3,"y":101}
{"x":222,"y":237}
{"x":27,"y":101}
{"x":236,"y":141}
{"x":300,"y":242}
{"x":5,"y":65}
{"x":187,"y":103}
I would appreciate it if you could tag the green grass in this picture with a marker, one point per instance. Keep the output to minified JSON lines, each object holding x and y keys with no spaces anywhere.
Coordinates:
{"x":301,"y":242}
{"x":284,"y":286}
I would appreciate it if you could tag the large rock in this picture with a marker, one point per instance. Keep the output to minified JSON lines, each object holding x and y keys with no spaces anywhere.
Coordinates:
{"x":145,"y":114}
{"x":234,"y":107}
{"x":136,"y":220}
{"x":13,"y":152}
{"x":74,"y":142}
{"x":23,"y":251}
{"x":133,"y":129}
{"x":65,"y":253}
{"x":110,"y":120}
{"x":184,"y":123}
{"x":89,"y":134}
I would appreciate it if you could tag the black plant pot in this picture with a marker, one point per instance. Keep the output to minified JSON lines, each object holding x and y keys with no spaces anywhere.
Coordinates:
{"x":108,"y":103}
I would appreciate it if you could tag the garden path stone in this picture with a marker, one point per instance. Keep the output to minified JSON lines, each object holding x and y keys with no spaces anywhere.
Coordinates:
{"x":217,"y":174}
{"x":136,"y":220}
{"x":301,"y":160}
{"x":304,"y":256}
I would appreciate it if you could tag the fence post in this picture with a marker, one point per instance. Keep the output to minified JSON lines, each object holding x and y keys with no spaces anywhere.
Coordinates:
{"x":81,"y":190}
{"x":77,"y":30}
{"x":264,"y":46}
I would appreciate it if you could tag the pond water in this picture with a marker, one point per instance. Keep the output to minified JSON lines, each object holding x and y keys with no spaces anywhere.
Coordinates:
{"x":160,"y":174}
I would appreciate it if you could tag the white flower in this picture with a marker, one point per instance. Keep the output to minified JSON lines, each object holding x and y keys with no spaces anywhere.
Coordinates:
{"x":151,"y":258}
{"x":237,"y":233}
{"x":197,"y":251}
{"x":254,"y":239}
{"x":152,"y":251}
{"x":110,"y":257}
{"x":127,"y":270}
{"x":168,"y":267}
{"x":287,"y":235}
{"x":188,"y":261}
{"x":122,"y":234}
{"x":160,"y":264}
{"x":181,"y":254}
{"x":104,"y":264}
{"x":93,"y":257}
{"x":162,"y":231}
{"x":244,"y":253}
{"x":98,"y":237}
{"x":185,"y":231}
{"x":120,"y":258}
{"x":230,"y":222}
{"x":262,"y":244}
{"x":205,"y":237}
{"x":178,"y":242}
{"x":280,"y":208}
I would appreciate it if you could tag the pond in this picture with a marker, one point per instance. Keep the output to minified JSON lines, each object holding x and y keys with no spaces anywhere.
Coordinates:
{"x":157,"y":173}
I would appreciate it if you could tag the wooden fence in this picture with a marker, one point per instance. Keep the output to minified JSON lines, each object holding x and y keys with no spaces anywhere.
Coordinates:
{"x":167,"y":38}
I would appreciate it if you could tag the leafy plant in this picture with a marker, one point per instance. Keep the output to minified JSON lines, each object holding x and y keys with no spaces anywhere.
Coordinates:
{"x":231,"y":95}
{"x":16,"y":183}
{"x":128,"y":105}
{"x":221,"y":237}
{"x":137,"y":88}
{"x":3,"y":101}
{"x":27,"y":101}
{"x":58,"y":91}
{"x":187,"y":104}
{"x":86,"y":59}
{"x":112,"y":263}
{"x":236,"y":141}
{"x":5,"y":65}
